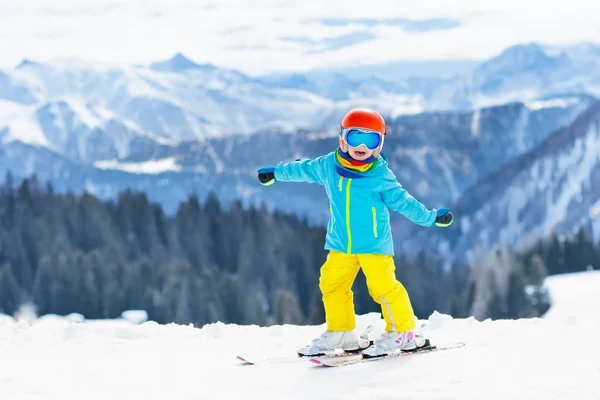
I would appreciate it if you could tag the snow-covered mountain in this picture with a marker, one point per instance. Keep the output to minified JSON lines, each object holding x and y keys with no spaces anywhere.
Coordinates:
{"x":554,"y":187}
{"x":520,"y":73}
{"x":437,"y":156}
{"x":175,"y":127}
{"x":523,"y":73}
{"x":68,"y":127}
{"x":179,"y":100}
{"x":175,"y":100}
{"x":58,"y":357}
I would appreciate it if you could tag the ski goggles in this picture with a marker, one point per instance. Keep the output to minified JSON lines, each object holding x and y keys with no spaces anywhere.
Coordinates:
{"x":355,"y":137}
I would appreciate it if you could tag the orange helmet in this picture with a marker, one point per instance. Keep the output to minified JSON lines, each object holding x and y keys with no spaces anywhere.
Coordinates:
{"x":364,"y":118}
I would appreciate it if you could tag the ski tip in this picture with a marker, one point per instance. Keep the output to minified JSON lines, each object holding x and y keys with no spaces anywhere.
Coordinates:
{"x":244,"y":360}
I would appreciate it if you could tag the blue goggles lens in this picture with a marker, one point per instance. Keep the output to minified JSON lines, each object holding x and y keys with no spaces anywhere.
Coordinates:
{"x":356,"y":137}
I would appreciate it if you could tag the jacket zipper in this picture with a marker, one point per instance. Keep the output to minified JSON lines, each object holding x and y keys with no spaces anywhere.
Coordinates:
{"x":348,"y":215}
{"x":374,"y":222}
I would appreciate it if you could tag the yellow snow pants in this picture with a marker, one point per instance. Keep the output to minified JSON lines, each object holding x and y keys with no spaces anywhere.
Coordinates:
{"x":337,"y":276}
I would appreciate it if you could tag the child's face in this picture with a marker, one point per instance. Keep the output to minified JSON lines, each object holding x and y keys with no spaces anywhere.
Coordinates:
{"x":360,"y":153}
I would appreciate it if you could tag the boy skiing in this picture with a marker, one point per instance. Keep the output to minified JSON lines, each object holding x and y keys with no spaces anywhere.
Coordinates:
{"x":360,"y":187}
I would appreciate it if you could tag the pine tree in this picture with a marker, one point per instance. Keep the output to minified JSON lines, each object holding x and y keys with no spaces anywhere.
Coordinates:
{"x":287,"y":310}
{"x":537,"y":270}
{"x":254,"y":310}
{"x":208,"y":263}
{"x":10,"y":293}
{"x":317,"y":315}
{"x":518,"y":304}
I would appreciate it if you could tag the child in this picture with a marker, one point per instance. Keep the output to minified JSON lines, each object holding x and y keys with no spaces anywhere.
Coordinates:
{"x":360,"y":187}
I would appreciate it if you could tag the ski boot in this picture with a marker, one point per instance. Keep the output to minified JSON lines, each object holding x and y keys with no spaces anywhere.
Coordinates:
{"x":395,"y":342}
{"x":329,"y":341}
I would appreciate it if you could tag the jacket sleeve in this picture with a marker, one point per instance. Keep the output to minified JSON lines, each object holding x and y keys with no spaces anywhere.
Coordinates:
{"x":312,"y":171}
{"x":399,"y":200}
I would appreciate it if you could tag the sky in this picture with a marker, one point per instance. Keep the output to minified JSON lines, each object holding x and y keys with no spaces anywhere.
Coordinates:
{"x":262,"y":36}
{"x":71,"y":358}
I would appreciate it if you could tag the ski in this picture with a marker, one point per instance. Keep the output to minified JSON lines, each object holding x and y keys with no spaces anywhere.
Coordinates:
{"x":359,"y":358}
{"x":297,"y":358}
{"x":338,"y":355}
{"x":270,"y":360}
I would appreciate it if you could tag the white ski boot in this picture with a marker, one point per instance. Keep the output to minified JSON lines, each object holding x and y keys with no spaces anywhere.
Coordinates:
{"x":395,"y":342}
{"x":330,"y":341}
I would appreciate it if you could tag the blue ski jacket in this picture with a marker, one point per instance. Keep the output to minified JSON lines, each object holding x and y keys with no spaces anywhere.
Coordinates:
{"x":359,"y":221}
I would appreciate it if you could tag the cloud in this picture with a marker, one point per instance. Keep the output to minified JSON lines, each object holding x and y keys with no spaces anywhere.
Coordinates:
{"x":264,"y":36}
{"x":314,"y":46}
{"x":409,"y":25}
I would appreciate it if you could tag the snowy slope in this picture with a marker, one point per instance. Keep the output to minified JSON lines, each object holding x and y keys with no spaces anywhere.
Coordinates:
{"x":555,"y":187}
{"x":575,"y":298}
{"x":57,"y":359}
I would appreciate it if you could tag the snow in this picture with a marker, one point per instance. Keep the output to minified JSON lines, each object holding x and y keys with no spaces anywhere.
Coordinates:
{"x":419,"y":156}
{"x":576,"y":299}
{"x":54,"y":358}
{"x":551,"y":103}
{"x":476,"y":123}
{"x":83,"y":112}
{"x":521,"y":131}
{"x":107,"y":115}
{"x":579,"y":162}
{"x":146,"y":167}
{"x":22,"y":123}
{"x":75,"y":317}
{"x":465,"y":224}
{"x":553,"y":194}
{"x":210,"y":152}
{"x":135,"y":316}
{"x":595,"y":209}
{"x":515,"y":200}
{"x":526,"y":88}
{"x":138,"y":86}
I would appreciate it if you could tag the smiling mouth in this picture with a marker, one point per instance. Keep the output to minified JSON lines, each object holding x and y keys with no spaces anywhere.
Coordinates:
{"x":360,"y":153}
